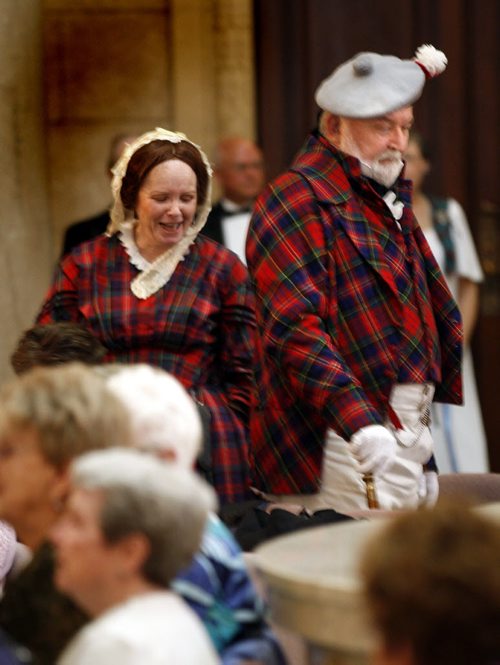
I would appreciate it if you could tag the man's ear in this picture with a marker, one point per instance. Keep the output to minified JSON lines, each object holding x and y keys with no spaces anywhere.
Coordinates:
{"x":329,"y":126}
{"x":333,"y":123}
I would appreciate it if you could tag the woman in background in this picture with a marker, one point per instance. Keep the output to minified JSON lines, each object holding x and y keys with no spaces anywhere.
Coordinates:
{"x":458,"y":432}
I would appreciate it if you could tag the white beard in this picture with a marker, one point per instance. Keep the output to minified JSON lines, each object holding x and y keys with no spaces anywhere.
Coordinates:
{"x":384,"y":173}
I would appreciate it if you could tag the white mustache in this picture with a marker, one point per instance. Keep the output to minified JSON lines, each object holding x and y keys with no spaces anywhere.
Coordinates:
{"x":394,"y":155}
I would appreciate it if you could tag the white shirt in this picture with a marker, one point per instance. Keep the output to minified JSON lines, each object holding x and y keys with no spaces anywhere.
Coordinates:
{"x":235,"y":229}
{"x":467,"y":260}
{"x":155,"y":628}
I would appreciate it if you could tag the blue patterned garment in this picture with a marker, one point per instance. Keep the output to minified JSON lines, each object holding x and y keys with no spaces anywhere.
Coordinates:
{"x":218,"y":588}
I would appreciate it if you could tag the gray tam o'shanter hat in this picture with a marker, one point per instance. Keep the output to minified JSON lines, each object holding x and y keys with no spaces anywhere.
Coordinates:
{"x":371,"y":85}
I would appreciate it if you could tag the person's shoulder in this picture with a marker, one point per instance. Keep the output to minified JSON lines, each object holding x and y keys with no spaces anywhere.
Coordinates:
{"x":216,"y":210}
{"x":206,"y":245}
{"x":281,"y":196}
{"x":314,"y":170}
{"x":440,"y":203}
{"x":85,"y":229}
{"x":218,"y":542}
{"x":449,"y":211}
{"x":99,"y":219}
{"x":454,"y":208}
{"x":89,"y":250}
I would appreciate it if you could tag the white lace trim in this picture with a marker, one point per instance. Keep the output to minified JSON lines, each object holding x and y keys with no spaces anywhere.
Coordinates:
{"x":126,"y":237}
{"x":154,"y":275}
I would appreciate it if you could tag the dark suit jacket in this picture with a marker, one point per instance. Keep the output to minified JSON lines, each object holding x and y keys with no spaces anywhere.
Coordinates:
{"x":213,"y":227}
{"x":85,"y":230}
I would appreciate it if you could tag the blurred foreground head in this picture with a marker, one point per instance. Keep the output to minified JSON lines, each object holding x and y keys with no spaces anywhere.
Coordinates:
{"x":48,"y":416}
{"x":54,"y":344}
{"x":131,"y":523}
{"x":432,"y":581}
{"x":164,"y":418}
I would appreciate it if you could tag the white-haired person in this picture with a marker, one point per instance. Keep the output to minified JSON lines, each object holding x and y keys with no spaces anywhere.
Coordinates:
{"x":48,"y":416}
{"x":164,"y":421}
{"x":131,"y":522}
{"x":359,"y":329}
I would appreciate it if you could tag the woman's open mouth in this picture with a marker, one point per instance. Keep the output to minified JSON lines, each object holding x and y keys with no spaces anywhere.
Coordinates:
{"x":170,"y":226}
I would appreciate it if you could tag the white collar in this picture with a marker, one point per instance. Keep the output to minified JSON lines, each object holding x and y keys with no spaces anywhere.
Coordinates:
{"x":396,"y":207}
{"x":154,"y":275}
{"x":233,"y":207}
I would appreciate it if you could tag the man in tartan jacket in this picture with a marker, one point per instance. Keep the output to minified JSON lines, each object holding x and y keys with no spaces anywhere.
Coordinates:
{"x":358,"y":327}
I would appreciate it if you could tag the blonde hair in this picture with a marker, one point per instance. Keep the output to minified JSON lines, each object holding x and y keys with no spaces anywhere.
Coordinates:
{"x":70,"y":409}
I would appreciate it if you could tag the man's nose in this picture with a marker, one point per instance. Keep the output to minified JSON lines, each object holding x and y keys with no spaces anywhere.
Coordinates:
{"x":398,"y":139}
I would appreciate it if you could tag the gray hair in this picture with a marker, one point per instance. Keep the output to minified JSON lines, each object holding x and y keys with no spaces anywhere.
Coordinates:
{"x":69,"y":407}
{"x":162,"y":414}
{"x":167,"y":504}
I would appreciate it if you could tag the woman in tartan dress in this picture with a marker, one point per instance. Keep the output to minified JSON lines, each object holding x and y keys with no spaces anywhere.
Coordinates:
{"x":153,"y":290}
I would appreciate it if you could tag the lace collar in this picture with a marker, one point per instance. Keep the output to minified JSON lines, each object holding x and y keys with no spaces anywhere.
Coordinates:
{"x":153,"y":275}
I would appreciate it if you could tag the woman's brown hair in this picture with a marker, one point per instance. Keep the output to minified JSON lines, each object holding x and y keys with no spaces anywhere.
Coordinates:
{"x":150,"y":155}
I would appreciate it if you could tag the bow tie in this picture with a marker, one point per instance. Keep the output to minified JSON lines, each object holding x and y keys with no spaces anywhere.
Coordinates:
{"x":396,"y":207}
{"x":238,"y":211}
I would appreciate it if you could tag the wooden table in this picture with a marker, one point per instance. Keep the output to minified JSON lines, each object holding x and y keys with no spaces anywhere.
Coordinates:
{"x":313,"y":589}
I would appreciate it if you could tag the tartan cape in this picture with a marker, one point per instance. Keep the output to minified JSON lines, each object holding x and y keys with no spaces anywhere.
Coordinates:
{"x":330,"y":316}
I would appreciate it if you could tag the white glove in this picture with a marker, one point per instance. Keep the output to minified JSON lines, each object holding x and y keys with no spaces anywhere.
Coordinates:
{"x":374,"y":448}
{"x":428,"y":489}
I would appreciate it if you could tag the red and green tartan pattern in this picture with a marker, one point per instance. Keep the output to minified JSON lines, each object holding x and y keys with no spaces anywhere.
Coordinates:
{"x":331,"y":317}
{"x":200,"y":327}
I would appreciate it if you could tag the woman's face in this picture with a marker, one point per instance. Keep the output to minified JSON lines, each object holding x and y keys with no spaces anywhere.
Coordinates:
{"x":417,"y":166}
{"x":27,"y":480}
{"x":85,"y":563}
{"x":166,"y":205}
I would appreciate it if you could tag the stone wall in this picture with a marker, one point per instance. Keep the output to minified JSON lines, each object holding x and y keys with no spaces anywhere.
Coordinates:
{"x":128,"y":66}
{"x":25,"y":234}
{"x":74,"y":73}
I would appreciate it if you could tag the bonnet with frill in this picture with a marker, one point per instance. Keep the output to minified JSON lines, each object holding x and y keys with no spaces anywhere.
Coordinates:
{"x":153,"y":275}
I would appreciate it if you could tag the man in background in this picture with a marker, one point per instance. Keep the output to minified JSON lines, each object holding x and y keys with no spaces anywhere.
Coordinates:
{"x":91,"y":227}
{"x":239,"y":169}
